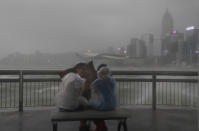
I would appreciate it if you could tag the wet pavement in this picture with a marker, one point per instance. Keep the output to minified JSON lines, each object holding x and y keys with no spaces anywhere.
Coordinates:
{"x":143,"y":119}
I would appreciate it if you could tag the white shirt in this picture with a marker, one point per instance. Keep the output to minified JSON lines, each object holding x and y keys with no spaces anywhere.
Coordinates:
{"x":69,"y":94}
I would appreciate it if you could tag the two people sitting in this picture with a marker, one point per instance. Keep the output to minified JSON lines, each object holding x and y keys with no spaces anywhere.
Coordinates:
{"x":103,"y":98}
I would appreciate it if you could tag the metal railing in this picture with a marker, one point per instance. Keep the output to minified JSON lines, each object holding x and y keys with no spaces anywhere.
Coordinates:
{"x":33,"y":88}
{"x":172,"y":88}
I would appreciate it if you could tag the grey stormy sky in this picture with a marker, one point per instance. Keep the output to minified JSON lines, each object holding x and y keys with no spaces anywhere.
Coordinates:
{"x":71,"y":25}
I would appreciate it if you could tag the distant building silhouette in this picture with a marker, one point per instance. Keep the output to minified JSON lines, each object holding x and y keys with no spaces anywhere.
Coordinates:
{"x":148,"y":40}
{"x":172,"y":48}
{"x":198,"y":21}
{"x":167,"y":24}
{"x":136,"y":48}
{"x":191,"y":46}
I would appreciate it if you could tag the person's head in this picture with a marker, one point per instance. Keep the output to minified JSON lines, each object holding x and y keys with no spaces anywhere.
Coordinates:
{"x":80,"y":68}
{"x":100,"y":66}
{"x":104,"y":72}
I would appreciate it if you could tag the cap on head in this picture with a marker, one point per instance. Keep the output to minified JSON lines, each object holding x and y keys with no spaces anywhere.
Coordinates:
{"x":100,"y":66}
{"x":104,"y":72}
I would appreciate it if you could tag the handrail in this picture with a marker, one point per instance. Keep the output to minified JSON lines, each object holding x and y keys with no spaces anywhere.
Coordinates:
{"x":117,"y":79}
{"x":169,"y":73}
{"x":114,"y":72}
{"x":153,"y":79}
{"x":157,"y":80}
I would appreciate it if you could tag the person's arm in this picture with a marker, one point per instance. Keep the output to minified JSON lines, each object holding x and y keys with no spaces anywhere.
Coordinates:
{"x":79,"y":85}
{"x":97,"y":84}
{"x":92,"y":86}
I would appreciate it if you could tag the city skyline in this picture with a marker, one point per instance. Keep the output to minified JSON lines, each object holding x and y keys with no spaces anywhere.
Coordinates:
{"x":59,"y":26}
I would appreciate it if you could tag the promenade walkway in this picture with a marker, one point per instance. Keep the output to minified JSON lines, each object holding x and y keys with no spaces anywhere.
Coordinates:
{"x":144,"y":119}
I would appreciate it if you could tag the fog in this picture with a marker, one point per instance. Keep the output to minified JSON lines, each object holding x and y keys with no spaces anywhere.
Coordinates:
{"x":56,"y":26}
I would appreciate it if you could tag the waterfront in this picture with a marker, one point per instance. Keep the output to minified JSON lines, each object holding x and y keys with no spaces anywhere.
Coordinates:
{"x":40,"y":90}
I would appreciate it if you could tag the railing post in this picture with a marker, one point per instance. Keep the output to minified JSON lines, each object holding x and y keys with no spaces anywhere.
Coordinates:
{"x":154,"y":92}
{"x":21,"y":91}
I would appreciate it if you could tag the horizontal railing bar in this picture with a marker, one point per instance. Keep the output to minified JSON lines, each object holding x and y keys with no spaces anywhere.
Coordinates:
{"x":9,"y":72}
{"x":177,"y":73}
{"x":169,"y":73}
{"x":132,"y":80}
{"x":157,"y":80}
{"x":9,"y":80}
{"x":42,"y":80}
{"x":41,"y":72}
{"x":178,"y":80}
{"x":114,"y":72}
{"x":30,"y":72}
{"x":34,"y":79}
{"x":117,"y":79}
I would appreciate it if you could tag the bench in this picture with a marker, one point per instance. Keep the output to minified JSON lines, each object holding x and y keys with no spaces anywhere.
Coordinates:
{"x":119,"y":114}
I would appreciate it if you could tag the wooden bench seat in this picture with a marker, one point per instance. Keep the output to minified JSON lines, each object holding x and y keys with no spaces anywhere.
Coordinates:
{"x":119,"y":114}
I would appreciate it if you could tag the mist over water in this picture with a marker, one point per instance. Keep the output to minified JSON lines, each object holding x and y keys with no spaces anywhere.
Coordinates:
{"x":65,"y":26}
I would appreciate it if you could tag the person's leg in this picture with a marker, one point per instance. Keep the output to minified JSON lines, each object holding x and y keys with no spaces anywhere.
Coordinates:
{"x":100,"y":125}
{"x":84,"y":125}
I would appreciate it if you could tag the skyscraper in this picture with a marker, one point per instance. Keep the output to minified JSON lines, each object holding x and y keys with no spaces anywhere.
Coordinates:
{"x":191,"y":46}
{"x":167,"y":24}
{"x":198,"y":21}
{"x":136,"y":48}
{"x":148,"y":39}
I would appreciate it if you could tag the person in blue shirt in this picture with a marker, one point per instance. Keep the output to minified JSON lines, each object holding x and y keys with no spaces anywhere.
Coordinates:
{"x":103,"y":94}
